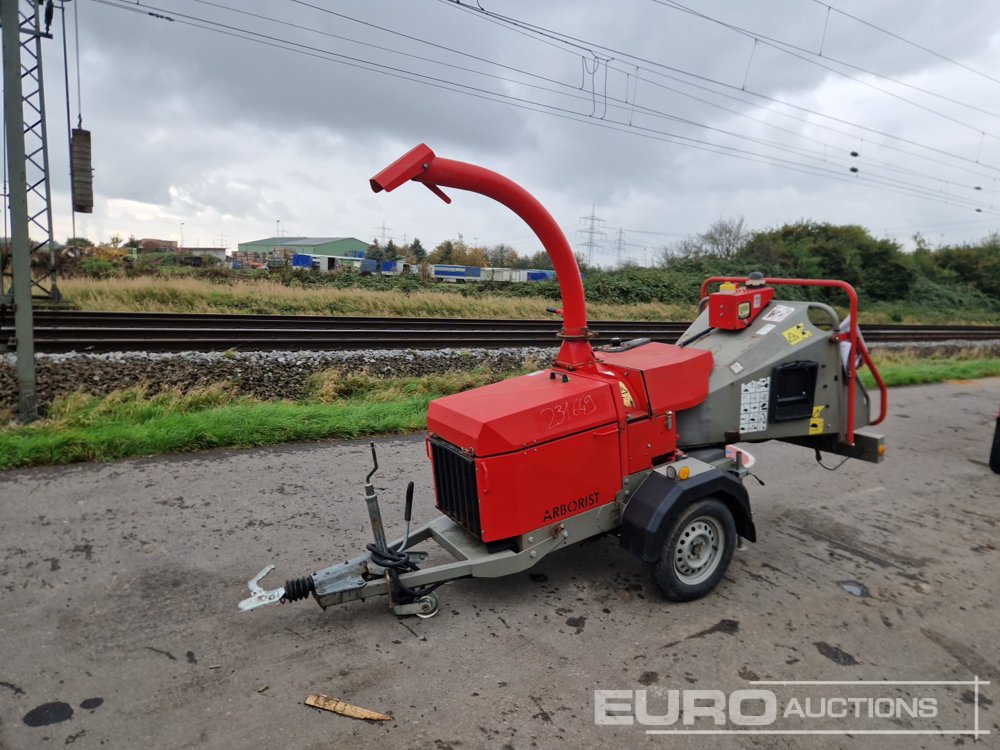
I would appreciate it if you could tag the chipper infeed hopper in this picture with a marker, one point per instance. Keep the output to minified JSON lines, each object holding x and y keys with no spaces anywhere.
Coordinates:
{"x":634,"y":439}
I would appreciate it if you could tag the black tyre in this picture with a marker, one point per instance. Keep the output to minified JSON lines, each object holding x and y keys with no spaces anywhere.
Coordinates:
{"x":697,"y":551}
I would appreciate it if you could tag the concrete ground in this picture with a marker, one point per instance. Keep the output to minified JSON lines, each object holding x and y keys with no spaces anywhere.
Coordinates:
{"x":119,"y":586}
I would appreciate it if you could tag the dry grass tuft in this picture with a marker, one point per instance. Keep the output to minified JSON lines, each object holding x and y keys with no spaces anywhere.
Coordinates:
{"x":191,"y":295}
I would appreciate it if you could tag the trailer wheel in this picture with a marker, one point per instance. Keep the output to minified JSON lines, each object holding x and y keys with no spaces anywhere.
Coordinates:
{"x":429,"y":606}
{"x":697,"y":551}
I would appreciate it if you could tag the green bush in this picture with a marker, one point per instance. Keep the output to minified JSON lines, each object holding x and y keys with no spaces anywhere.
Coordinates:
{"x":97,"y":268}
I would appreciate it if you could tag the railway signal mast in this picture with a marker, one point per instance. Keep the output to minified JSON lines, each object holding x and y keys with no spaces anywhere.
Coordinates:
{"x":29,"y":192}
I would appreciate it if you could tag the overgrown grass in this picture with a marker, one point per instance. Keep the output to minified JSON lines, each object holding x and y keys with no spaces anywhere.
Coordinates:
{"x":907,"y":367}
{"x":137,"y":422}
{"x":187,"y":292}
{"x":261,"y":296}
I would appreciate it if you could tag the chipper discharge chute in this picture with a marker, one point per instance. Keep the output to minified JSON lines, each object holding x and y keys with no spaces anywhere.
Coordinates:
{"x":633,"y":438}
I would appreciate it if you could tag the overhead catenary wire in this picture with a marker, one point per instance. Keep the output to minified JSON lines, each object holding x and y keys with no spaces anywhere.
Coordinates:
{"x":787,"y":47}
{"x":531,"y":105}
{"x":522,"y":71}
{"x":76,"y":44}
{"x":69,"y":117}
{"x":907,"y":41}
{"x":879,"y":183}
{"x":622,"y":54}
{"x":937,"y":179}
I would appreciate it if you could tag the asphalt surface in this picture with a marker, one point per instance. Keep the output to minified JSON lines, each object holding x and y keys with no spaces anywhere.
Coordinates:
{"x":119,"y":585}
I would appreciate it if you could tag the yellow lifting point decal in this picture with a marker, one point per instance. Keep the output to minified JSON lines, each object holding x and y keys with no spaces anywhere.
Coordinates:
{"x":626,"y":396}
{"x":796,"y":334}
{"x":816,"y":424}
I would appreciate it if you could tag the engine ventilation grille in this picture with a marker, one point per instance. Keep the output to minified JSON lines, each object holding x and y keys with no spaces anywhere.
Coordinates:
{"x":455,"y":485}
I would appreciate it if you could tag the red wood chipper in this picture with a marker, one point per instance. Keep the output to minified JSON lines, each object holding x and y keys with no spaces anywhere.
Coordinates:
{"x":634,"y":438}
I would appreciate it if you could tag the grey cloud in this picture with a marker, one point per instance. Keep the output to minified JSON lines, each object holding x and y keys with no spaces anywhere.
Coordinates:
{"x":202,"y":124}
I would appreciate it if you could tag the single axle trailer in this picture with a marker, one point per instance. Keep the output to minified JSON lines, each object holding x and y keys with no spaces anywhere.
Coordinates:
{"x":636,"y":438}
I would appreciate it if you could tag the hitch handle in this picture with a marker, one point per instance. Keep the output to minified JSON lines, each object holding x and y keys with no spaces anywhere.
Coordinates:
{"x":371,"y":473}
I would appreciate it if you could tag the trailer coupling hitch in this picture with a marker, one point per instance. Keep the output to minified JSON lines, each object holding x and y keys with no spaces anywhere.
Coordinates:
{"x":258,"y":596}
{"x":377,"y":570}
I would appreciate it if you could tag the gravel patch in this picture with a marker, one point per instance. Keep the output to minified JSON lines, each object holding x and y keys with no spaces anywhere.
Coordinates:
{"x":271,"y":374}
{"x":281,"y":374}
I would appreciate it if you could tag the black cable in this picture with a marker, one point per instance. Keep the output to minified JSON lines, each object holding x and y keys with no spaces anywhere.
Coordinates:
{"x":569,"y":39}
{"x":819,"y":460}
{"x":907,"y":41}
{"x":636,"y":77}
{"x":69,"y":120}
{"x":625,"y":104}
{"x":786,"y":47}
{"x":694,"y":338}
{"x":396,"y":562}
{"x":885,"y":184}
{"x":457,"y":3}
{"x":391,"y":558}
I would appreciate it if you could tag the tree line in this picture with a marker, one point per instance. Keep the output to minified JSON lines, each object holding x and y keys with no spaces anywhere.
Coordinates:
{"x":945,"y":277}
{"x":878,"y":268}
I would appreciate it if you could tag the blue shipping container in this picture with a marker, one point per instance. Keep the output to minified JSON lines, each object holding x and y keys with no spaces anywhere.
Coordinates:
{"x":541,"y":275}
{"x":452,"y":272}
{"x":302,"y":261}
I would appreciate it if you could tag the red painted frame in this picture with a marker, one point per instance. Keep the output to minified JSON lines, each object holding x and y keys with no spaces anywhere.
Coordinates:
{"x":857,"y":345}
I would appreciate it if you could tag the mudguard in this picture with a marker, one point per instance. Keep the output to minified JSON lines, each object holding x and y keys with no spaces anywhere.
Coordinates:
{"x":658,"y":502}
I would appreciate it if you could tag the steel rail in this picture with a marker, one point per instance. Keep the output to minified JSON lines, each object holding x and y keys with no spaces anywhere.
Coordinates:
{"x":68,"y":330}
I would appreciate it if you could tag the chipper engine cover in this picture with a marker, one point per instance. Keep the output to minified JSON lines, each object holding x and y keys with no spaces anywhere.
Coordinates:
{"x":512,"y":457}
{"x":631,"y":438}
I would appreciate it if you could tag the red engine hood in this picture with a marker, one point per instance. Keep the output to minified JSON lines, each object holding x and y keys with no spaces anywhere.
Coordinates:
{"x":521,"y":412}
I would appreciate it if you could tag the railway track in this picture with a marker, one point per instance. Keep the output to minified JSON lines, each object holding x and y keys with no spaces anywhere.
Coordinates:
{"x":64,"y":331}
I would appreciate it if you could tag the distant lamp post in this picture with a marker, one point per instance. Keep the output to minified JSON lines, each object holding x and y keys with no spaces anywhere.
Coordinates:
{"x":182,"y":236}
{"x":277,"y":227}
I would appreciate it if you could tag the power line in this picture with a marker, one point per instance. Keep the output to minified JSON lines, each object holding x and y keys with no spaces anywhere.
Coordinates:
{"x":593,"y":235}
{"x":786,"y":47}
{"x":452,"y":50}
{"x":529,"y":73}
{"x":531,"y":105}
{"x":908,"y":41}
{"x":569,"y":39}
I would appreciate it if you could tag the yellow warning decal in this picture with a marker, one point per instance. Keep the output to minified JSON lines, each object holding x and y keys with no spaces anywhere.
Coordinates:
{"x":796,"y":334}
{"x":626,"y":396}
{"x":816,"y":424}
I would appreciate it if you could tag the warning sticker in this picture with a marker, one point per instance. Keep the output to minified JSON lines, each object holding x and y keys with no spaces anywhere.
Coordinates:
{"x":764,"y":329}
{"x":754,"y":396}
{"x":817,"y":424}
{"x":778,"y":313}
{"x":797,"y":334}
{"x":736,"y":367}
{"x":627,"y":399}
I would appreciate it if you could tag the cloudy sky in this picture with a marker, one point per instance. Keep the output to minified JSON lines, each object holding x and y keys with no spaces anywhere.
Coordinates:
{"x":230,"y":120}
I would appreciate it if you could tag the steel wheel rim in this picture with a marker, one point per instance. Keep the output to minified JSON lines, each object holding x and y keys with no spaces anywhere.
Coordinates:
{"x":698,"y":550}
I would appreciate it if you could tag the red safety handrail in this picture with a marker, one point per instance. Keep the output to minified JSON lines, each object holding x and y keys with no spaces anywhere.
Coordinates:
{"x":857,"y":345}
{"x":422,"y":165}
